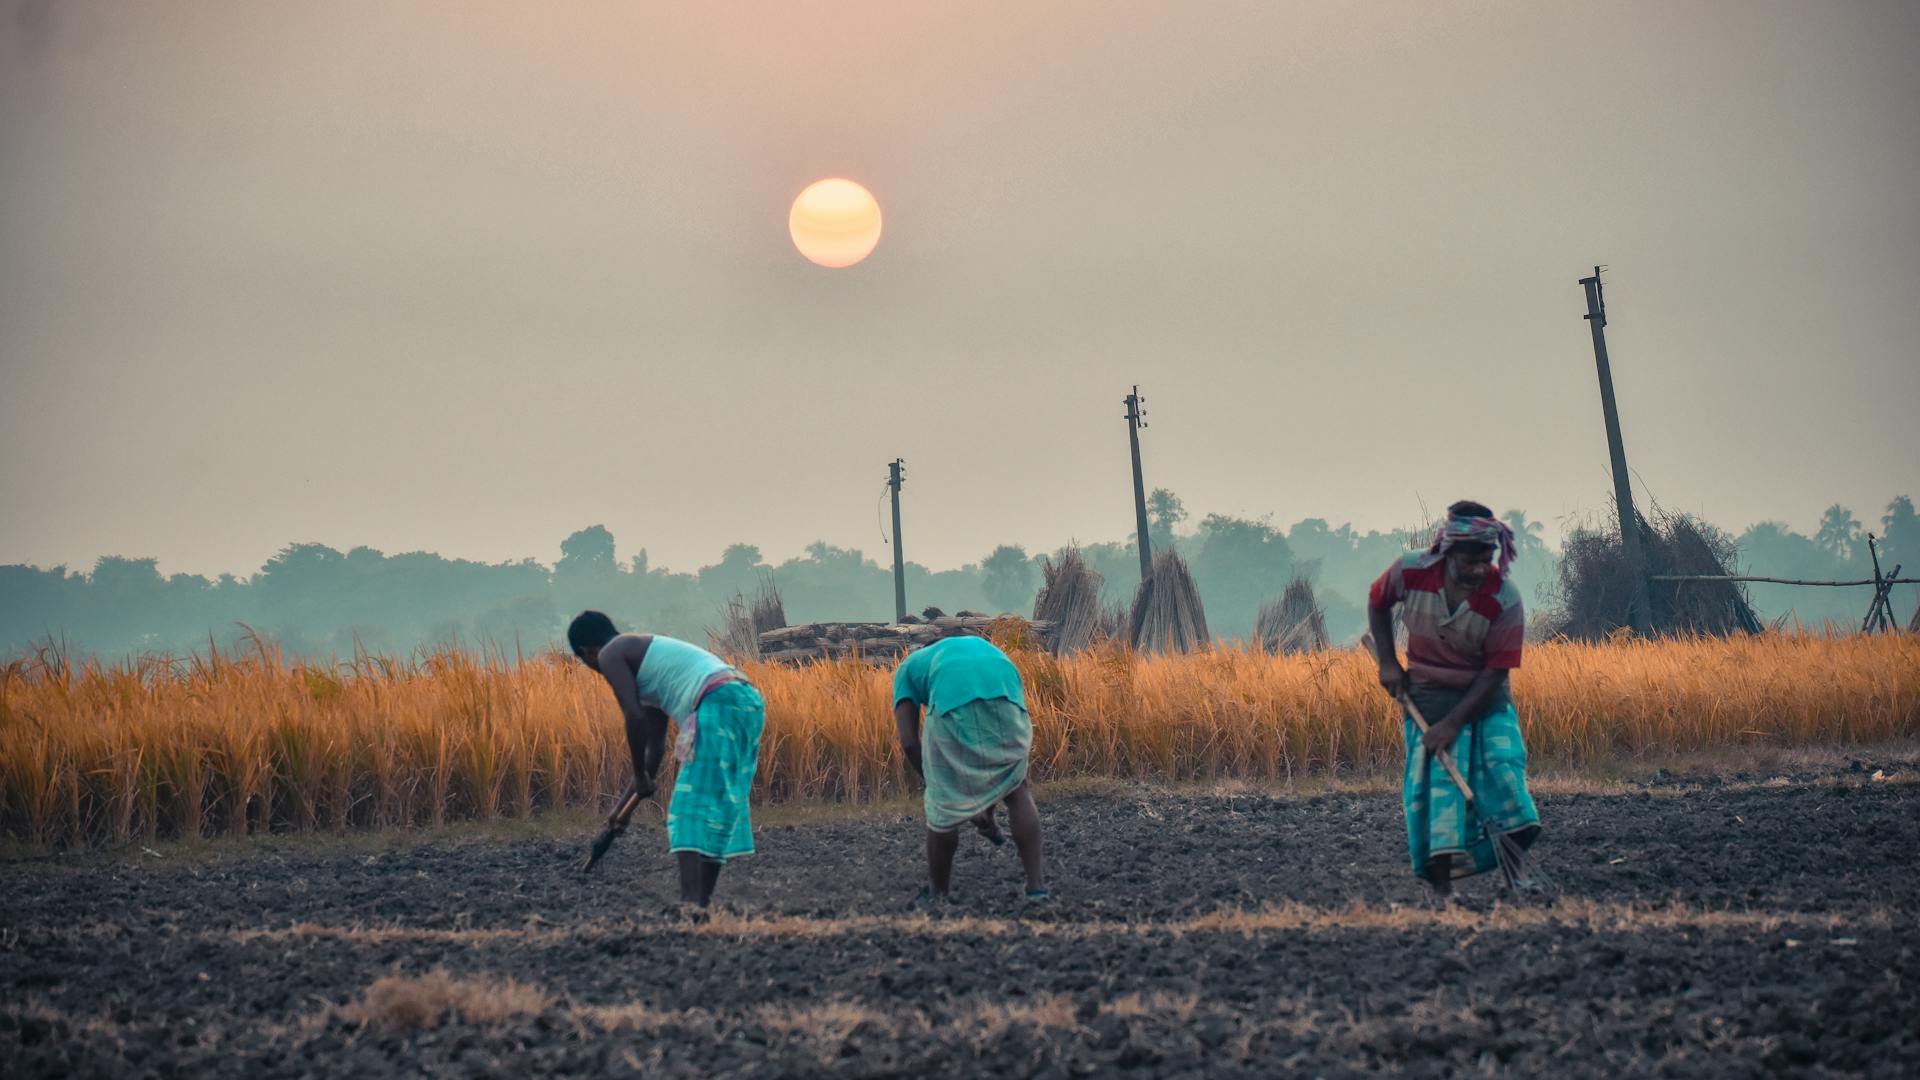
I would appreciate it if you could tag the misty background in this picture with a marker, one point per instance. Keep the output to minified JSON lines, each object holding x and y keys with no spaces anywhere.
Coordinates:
{"x":318,"y":602}
{"x":386,"y":280}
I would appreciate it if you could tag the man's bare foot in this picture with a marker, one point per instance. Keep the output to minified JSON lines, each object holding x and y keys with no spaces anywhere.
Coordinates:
{"x":989,"y":826}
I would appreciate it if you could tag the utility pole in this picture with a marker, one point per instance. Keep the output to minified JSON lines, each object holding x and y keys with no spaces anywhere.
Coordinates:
{"x":1137,"y":419}
{"x":1639,"y":612}
{"x":894,"y":480}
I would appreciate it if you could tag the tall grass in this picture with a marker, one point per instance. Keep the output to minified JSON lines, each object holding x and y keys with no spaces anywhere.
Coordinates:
{"x":95,"y":753}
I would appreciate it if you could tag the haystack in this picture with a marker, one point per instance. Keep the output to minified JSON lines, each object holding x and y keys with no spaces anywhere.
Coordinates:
{"x":1292,"y":624}
{"x":1596,"y":583}
{"x":1069,"y":602}
{"x":743,"y":621}
{"x":1167,"y":615}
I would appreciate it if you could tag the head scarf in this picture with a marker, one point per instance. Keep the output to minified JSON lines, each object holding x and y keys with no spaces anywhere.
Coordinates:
{"x":1462,"y":529}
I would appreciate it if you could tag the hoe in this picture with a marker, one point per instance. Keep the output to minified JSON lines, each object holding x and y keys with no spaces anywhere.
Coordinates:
{"x":616,"y":824}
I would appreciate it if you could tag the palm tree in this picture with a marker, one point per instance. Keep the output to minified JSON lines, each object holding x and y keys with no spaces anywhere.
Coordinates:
{"x":1839,"y":534}
{"x":1528,"y":536}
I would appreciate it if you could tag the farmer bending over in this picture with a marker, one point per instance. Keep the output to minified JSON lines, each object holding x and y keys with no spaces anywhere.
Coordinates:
{"x":720,"y":716}
{"x":974,"y":753}
{"x":1465,"y":625}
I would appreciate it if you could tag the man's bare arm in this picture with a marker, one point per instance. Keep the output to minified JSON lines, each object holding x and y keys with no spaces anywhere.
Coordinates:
{"x":1472,"y":707}
{"x":646,"y":727}
{"x":1393,"y":677}
{"x":906,"y":718}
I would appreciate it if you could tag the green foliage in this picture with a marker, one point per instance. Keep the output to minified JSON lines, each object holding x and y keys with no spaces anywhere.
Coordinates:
{"x":1009,"y":579}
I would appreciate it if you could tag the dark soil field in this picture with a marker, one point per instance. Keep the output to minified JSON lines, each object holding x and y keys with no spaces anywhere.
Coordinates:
{"x":1749,"y":926}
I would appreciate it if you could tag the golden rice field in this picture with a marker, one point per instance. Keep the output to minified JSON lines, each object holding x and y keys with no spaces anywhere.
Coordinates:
{"x":100,"y":754}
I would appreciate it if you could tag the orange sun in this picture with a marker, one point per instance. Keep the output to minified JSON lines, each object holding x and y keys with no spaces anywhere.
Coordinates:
{"x":835,"y":223}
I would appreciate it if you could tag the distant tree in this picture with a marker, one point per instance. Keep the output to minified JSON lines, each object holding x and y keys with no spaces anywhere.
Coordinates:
{"x":1240,"y":565}
{"x":1839,"y":534}
{"x":1009,"y":579}
{"x":737,"y":572}
{"x":1165,"y":512}
{"x":589,"y":551}
{"x":1527,"y":536}
{"x":1900,"y":532}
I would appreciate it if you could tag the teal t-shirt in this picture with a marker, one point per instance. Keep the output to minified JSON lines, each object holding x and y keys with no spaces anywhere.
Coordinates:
{"x":955,"y":671}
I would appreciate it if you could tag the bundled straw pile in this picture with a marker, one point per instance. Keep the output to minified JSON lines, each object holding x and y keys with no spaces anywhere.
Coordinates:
{"x":1167,"y":615}
{"x":1596,"y":582}
{"x":744,"y":621}
{"x":1292,"y":624}
{"x":1069,"y":602}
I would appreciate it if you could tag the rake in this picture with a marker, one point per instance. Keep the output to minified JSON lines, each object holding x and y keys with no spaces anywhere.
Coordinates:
{"x":616,"y":824}
{"x":1514,"y":866}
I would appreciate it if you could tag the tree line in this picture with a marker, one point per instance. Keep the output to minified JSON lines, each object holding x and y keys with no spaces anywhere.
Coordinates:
{"x":316,"y":601}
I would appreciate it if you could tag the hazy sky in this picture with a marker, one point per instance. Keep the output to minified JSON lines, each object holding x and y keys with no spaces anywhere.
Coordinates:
{"x":468,"y":277}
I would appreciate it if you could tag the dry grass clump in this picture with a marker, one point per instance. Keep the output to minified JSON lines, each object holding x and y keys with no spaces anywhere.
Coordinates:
{"x":102,"y":753}
{"x":1294,"y":623}
{"x":425,"y":1001}
{"x":1167,"y":614}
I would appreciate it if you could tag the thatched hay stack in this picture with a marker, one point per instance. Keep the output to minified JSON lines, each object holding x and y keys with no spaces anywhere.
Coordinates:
{"x":769,"y":612}
{"x":735,"y":640}
{"x":1596,"y":584}
{"x":1292,"y":624}
{"x":1069,"y":602}
{"x":1167,"y":615}
{"x":743,"y":621}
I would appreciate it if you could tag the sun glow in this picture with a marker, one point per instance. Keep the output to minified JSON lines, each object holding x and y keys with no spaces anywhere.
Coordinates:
{"x":835,"y":223}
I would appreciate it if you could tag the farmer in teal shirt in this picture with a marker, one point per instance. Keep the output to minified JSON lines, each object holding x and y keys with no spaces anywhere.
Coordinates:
{"x":974,"y":752}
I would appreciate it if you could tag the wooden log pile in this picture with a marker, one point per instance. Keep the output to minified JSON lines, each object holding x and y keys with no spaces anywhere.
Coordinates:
{"x":880,"y":643}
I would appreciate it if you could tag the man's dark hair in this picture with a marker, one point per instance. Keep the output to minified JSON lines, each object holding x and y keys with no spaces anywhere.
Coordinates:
{"x":590,"y":630}
{"x":1468,"y":508}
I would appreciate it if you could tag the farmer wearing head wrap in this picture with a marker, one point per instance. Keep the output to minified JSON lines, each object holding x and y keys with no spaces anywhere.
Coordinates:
{"x":1465,"y":625}
{"x":654,"y":678}
{"x":973,"y":754}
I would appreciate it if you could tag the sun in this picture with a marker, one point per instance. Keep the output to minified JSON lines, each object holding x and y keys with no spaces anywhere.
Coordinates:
{"x":835,"y":223}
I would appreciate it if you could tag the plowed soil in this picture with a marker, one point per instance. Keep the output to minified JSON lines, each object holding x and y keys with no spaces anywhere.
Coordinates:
{"x":1745,"y":926}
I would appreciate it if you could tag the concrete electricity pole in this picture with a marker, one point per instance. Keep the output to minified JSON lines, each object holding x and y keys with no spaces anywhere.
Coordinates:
{"x":1137,"y":419}
{"x":894,"y":480}
{"x":1639,"y":611}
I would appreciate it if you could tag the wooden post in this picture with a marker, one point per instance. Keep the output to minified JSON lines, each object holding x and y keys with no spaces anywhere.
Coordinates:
{"x":1880,"y":611}
{"x":1639,"y":610}
{"x":1137,"y":419}
{"x":895,"y":478}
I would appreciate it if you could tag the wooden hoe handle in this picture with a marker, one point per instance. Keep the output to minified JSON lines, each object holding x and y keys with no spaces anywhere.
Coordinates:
{"x":1445,"y":756}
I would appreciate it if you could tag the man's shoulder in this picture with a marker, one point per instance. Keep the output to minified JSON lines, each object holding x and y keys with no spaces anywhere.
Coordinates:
{"x":1508,"y":595}
{"x":1422,"y":570}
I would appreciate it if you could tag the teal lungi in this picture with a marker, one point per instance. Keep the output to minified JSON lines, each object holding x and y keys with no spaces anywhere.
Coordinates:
{"x":1493,"y":757}
{"x":708,"y":812}
{"x":973,"y":757}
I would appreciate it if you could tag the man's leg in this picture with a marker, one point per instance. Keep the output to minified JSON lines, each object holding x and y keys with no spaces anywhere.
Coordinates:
{"x":1440,"y":875}
{"x":1024,"y":818}
{"x":698,"y":875}
{"x":940,"y":849}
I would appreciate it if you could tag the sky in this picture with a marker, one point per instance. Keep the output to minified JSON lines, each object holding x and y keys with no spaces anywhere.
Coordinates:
{"x":467,"y":277}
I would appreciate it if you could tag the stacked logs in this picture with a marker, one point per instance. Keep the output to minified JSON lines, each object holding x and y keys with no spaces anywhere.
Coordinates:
{"x":879,"y":643}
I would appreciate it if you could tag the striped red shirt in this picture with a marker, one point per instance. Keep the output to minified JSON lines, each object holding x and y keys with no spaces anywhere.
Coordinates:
{"x":1451,"y":647}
